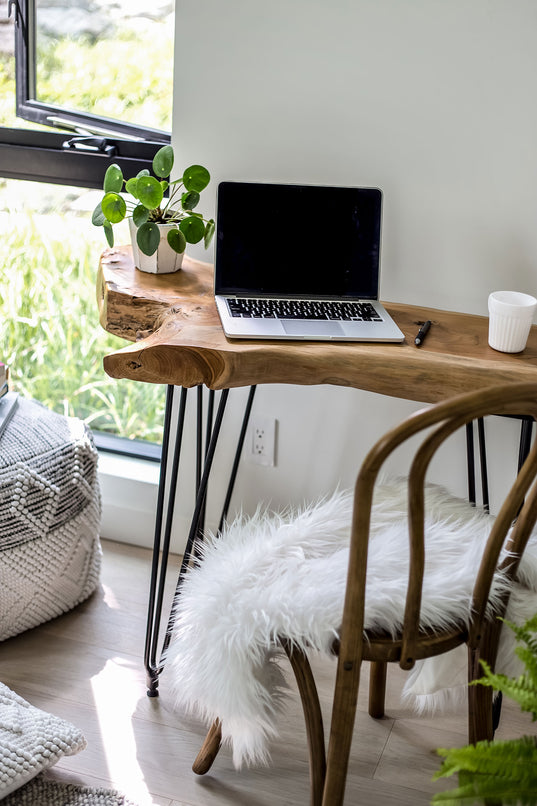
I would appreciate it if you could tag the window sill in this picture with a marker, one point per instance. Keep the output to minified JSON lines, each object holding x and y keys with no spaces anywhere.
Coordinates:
{"x":129,"y":495}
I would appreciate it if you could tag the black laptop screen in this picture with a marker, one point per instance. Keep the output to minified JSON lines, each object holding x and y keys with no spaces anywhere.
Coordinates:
{"x":281,"y":240}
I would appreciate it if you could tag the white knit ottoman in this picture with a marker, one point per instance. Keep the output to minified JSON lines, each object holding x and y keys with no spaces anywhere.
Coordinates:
{"x":50,"y":510}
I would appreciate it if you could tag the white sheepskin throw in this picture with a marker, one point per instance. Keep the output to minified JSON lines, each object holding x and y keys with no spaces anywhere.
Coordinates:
{"x":273,"y":575}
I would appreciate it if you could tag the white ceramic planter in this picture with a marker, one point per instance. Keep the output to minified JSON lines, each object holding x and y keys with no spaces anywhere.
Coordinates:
{"x":163,"y":261}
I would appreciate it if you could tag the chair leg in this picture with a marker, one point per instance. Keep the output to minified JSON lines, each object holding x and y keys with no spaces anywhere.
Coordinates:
{"x":480,"y":723}
{"x":482,"y":715}
{"x":209,"y":749}
{"x":377,"y":688}
{"x":341,"y":730}
{"x":314,"y":721}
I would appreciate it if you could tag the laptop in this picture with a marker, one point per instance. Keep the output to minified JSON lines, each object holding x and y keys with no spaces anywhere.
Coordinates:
{"x":300,"y":262}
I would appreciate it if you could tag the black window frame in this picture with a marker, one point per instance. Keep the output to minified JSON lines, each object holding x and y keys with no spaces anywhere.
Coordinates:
{"x":76,"y":154}
{"x":86,"y":144}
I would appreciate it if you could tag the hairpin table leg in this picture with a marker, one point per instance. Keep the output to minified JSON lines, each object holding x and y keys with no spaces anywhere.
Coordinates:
{"x":161,"y":545}
{"x":160,"y":561}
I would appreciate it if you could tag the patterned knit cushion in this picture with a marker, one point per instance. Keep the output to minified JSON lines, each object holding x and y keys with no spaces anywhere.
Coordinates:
{"x":41,"y":791}
{"x":49,"y":517}
{"x":30,"y":740}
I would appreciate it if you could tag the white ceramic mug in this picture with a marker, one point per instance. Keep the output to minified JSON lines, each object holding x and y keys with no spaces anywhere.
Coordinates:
{"x":510,"y":317}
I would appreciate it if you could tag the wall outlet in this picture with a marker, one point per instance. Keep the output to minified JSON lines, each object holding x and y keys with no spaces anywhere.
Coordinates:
{"x":263,"y":441}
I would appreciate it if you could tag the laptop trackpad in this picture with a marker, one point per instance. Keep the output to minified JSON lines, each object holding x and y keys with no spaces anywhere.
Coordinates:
{"x":306,"y":328}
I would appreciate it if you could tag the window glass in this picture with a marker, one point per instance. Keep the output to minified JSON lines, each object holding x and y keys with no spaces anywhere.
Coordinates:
{"x":112,"y":59}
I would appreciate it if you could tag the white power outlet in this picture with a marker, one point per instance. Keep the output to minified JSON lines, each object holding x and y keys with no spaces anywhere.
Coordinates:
{"x":263,"y":441}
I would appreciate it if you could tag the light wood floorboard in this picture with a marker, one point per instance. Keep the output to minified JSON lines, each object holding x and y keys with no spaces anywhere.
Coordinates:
{"x":86,"y":666}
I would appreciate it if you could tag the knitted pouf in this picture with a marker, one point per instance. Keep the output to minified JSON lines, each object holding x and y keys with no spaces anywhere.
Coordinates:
{"x":50,"y":510}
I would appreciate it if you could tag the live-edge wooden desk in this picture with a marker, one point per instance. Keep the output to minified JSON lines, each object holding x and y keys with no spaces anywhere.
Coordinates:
{"x":178,"y":341}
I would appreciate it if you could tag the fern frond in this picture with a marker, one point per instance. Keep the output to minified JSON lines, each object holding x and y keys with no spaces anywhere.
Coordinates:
{"x":508,"y":759}
{"x":518,"y":689}
{"x":505,"y":771}
{"x":486,"y":789}
{"x":529,"y":658}
{"x":525,"y":633}
{"x":531,"y":624}
{"x":521,"y":689}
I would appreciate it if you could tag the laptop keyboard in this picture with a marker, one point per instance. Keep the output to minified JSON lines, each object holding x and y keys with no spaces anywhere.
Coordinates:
{"x":303,"y":309}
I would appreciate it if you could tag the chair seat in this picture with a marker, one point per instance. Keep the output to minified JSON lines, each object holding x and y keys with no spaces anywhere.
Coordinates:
{"x":286,"y":575}
{"x":384,"y":647}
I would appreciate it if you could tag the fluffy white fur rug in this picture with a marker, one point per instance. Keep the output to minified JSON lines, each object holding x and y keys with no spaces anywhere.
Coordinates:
{"x":285,"y":574}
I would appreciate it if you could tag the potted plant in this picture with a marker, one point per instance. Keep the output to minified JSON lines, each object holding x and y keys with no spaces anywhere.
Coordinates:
{"x":160,"y":226}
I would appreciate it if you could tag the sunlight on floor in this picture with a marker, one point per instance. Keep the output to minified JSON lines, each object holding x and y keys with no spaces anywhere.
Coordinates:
{"x":109,"y":598}
{"x":116,"y":693}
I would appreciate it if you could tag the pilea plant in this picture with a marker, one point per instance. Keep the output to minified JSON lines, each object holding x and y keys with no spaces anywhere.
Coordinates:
{"x":150,"y":207}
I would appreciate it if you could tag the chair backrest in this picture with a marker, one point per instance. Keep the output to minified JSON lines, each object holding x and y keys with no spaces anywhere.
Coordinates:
{"x":520,"y":505}
{"x":440,"y":421}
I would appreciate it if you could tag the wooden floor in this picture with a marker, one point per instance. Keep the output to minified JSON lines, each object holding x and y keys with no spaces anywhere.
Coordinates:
{"x":87,"y":667}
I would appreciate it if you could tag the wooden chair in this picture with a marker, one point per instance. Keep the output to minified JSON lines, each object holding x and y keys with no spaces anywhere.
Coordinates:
{"x":328,"y":772}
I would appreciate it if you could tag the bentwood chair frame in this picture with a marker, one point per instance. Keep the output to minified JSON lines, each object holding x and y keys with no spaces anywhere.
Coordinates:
{"x":354,"y":645}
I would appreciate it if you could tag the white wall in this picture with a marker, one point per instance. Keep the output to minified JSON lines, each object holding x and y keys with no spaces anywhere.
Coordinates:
{"x":432,"y":101}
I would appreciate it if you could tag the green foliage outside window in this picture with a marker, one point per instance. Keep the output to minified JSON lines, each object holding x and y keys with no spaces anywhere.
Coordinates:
{"x":51,"y":338}
{"x":500,"y":773}
{"x":120,"y":87}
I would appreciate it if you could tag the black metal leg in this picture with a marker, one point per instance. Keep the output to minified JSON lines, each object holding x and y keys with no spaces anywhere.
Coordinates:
{"x":157,"y":580}
{"x":526,"y":430}
{"x":202,"y":457}
{"x":235,"y":467}
{"x":470,"y":462}
{"x":161,"y":544}
{"x":199,"y":436}
{"x":470,"y":458}
{"x":483,"y":464}
{"x":198,"y":511}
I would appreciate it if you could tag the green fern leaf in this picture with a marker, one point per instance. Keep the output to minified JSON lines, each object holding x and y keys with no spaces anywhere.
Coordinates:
{"x":521,"y":689}
{"x":504,"y":771}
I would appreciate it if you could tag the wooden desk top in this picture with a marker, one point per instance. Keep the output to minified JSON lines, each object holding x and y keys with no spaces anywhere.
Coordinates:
{"x":178,"y":339}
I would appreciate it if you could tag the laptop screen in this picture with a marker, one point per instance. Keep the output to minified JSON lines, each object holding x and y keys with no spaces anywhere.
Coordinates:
{"x":297,"y":240}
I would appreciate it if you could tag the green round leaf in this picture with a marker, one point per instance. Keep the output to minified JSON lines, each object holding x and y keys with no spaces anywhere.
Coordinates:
{"x":109,"y":232}
{"x":113,"y":179}
{"x":177,"y":240}
{"x":114,"y":207}
{"x":148,"y":238}
{"x":190,"y":200}
{"x":209,"y":232}
{"x":196,"y":178}
{"x":131,"y":186}
{"x":163,"y":161}
{"x":192,"y":228}
{"x":143,"y":172}
{"x":97,"y":217}
{"x":149,"y":191}
{"x":140,"y":215}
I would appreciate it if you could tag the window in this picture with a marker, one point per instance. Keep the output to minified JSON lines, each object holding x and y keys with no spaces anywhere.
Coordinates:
{"x":97,"y":72}
{"x":93,"y":86}
{"x":53,"y":87}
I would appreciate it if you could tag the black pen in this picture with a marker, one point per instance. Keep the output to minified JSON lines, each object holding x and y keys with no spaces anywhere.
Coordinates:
{"x":424,"y":329}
